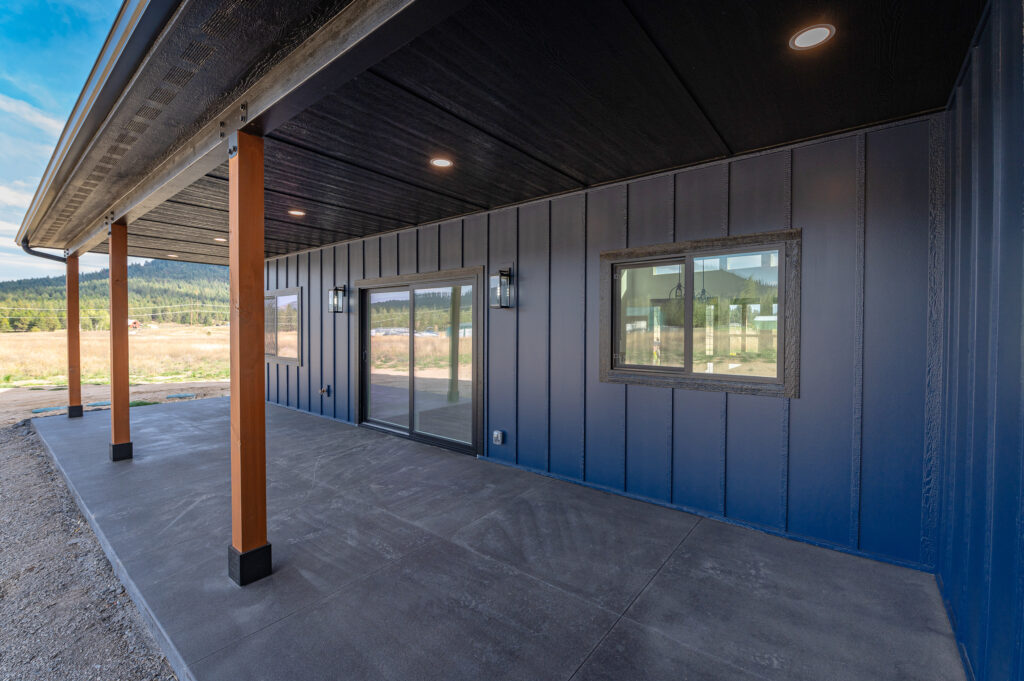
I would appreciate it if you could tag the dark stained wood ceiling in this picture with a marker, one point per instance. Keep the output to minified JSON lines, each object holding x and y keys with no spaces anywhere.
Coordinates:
{"x":534,"y":97}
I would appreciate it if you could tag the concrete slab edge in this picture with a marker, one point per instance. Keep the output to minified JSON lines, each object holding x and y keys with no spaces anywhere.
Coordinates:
{"x":174,"y":658}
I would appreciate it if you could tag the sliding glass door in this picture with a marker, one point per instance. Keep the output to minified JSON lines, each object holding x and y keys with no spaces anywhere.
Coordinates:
{"x":419,"y":360}
{"x":389,"y":369}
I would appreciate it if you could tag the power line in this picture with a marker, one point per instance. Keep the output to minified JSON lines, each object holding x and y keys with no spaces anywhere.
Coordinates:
{"x":104,"y":309}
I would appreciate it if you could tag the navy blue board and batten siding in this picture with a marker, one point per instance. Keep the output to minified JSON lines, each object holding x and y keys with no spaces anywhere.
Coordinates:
{"x":980,"y":546}
{"x":790,"y":466}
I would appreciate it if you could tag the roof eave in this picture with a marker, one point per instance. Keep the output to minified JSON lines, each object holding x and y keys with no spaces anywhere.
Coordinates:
{"x":137,"y":25}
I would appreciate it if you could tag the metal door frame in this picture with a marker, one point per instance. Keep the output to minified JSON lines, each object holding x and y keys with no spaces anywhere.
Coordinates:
{"x":410,"y":282}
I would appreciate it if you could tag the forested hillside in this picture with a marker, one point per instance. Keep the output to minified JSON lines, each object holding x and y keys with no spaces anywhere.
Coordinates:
{"x":158,"y":291}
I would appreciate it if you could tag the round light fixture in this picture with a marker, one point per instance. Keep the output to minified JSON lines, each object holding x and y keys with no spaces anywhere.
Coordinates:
{"x":812,"y":36}
{"x":297,"y":213}
{"x":441,"y":162}
{"x":219,"y":238}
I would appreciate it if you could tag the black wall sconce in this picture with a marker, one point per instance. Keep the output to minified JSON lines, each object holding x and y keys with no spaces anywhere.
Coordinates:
{"x":336,"y":299}
{"x":501,"y":292}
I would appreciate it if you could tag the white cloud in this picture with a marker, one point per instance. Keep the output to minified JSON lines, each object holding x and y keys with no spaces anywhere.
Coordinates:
{"x":31,"y":115}
{"x":15,"y":198}
{"x":17,"y":265}
{"x":7,"y":229}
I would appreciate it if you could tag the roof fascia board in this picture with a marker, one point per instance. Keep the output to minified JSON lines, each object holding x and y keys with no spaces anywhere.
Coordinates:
{"x":355,"y":39}
{"x":136,"y":26}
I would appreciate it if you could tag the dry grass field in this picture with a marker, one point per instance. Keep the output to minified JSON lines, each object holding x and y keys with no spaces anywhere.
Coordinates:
{"x":390,"y":354}
{"x":170,"y":353}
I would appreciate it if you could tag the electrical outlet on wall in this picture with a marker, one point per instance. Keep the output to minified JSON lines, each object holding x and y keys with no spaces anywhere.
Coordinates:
{"x":498,"y":437}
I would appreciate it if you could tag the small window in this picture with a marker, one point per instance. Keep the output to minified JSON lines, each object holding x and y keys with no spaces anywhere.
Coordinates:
{"x":281,"y":315}
{"x":719,"y":314}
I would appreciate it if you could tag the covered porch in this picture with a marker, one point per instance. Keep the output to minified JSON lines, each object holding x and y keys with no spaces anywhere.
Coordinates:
{"x":400,"y":560}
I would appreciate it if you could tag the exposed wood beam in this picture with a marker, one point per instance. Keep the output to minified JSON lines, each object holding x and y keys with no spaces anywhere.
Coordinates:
{"x":358,"y":37}
{"x":249,"y":557}
{"x":120,"y":431}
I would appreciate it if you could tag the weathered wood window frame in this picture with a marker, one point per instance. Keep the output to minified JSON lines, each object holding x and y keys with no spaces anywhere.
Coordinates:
{"x":268,"y":324}
{"x":787,"y":381}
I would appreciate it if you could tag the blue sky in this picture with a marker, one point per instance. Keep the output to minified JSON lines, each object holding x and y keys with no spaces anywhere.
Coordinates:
{"x":46,"y":52}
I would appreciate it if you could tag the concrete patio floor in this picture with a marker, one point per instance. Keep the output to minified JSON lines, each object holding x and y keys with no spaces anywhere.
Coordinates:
{"x":397,"y":560}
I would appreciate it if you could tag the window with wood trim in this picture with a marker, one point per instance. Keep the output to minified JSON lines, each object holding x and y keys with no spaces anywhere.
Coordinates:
{"x":717,"y":314}
{"x":282,"y":314}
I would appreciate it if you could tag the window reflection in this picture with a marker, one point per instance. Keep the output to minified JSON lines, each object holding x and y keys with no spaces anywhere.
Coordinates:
{"x":288,"y":326}
{"x":651,"y":311}
{"x":735,"y":314}
{"x":443,"y":371}
{"x":270,"y":325}
{"x":389,"y":357}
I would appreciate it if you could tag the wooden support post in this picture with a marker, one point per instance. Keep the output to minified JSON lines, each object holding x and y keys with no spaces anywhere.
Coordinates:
{"x":74,"y":340}
{"x":249,"y":554}
{"x":120,"y":432}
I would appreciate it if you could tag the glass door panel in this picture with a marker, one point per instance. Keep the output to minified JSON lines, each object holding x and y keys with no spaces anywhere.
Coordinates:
{"x":443,"y":362}
{"x":388,"y":360}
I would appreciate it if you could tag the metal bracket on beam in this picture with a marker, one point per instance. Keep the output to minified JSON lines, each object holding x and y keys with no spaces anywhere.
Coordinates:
{"x":355,"y":39}
{"x":233,"y":144}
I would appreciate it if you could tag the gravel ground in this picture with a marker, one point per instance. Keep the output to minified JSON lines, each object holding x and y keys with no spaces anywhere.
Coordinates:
{"x":63,"y":614}
{"x":17,"y":404}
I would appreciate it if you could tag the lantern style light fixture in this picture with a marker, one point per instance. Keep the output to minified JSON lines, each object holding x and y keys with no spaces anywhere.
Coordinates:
{"x":336,"y":299}
{"x":501,"y":293}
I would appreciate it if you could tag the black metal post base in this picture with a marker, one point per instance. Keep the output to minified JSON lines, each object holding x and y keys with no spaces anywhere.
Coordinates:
{"x":121,"y":451}
{"x":245,"y":568}
{"x":74,"y":411}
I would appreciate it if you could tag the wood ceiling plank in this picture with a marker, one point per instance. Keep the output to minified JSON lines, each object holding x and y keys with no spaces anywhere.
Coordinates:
{"x":888,"y":60}
{"x":575,"y":83}
{"x":390,"y":130}
{"x":300,"y":173}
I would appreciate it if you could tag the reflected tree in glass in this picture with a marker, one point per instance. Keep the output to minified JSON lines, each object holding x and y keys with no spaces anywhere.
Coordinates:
{"x":735,"y":314}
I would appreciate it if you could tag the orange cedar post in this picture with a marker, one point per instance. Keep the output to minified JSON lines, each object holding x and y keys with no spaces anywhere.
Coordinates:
{"x":249,"y":554}
{"x":120,"y":434}
{"x":74,"y":346}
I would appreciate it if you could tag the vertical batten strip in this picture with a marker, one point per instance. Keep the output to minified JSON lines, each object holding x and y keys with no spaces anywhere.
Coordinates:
{"x":857,"y":431}
{"x":547,"y":375}
{"x":934,"y":340}
{"x":724,"y":472}
{"x":784,"y":440}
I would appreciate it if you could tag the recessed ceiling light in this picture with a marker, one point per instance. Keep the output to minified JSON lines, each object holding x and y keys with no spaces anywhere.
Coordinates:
{"x":441,"y":162}
{"x":171,"y":255}
{"x":219,"y":238}
{"x":812,"y":36}
{"x":296,"y":212}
